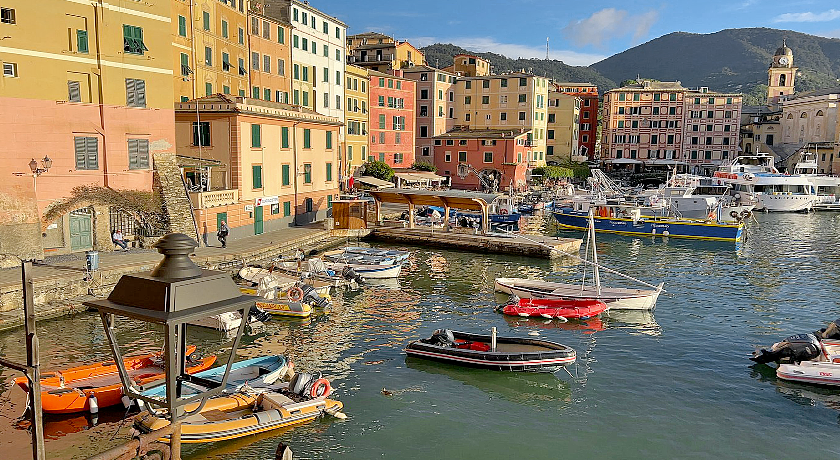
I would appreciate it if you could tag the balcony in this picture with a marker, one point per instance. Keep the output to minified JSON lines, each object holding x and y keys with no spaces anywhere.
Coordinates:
{"x":204,"y":200}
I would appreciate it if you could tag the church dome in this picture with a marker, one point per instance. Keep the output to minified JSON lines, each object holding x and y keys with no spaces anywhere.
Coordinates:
{"x":784,"y":50}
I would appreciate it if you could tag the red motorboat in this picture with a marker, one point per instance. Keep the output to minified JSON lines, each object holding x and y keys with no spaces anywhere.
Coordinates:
{"x":556,"y":308}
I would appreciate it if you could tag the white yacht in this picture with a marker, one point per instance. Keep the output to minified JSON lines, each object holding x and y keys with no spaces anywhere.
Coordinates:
{"x":827,"y":187}
{"x":695,"y":197}
{"x":775,"y":192}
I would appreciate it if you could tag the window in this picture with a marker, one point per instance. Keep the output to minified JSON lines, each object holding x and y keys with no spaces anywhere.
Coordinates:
{"x":307,"y":173}
{"x":550,"y":134}
{"x":285,"y":173}
{"x":82,"y":41}
{"x":133,"y":40}
{"x":266,"y":30}
{"x":485,"y":83}
{"x":326,"y":27}
{"x":201,"y":133}
{"x":304,"y":44}
{"x":281,"y":67}
{"x":485,"y":99}
{"x":338,"y":101}
{"x":523,"y":82}
{"x":256,"y":141}
{"x":447,"y":157}
{"x":672,"y":97}
{"x":208,"y":56}
{"x":241,"y":36}
{"x":266,"y":63}
{"x":256,"y":171}
{"x":224,"y":29}
{"x":503,"y":83}
{"x":399,"y":84}
{"x":135,"y":92}
{"x":87,"y":152}
{"x":138,"y":154}
{"x":551,"y":117}
{"x":462,"y":157}
{"x":522,"y":115}
{"x":205,"y":20}
{"x":295,"y":41}
{"x":307,"y":138}
{"x":281,"y":35}
{"x":267,"y":94}
{"x":287,"y":208}
{"x":467,"y":100}
{"x":7,"y":15}
{"x":74,"y":91}
{"x":182,"y":26}
{"x":242,"y":70}
{"x":503,"y":116}
{"x":337,"y":32}
{"x":329,"y":172}
{"x":326,"y":75}
{"x":398,"y":158}
{"x":329,"y":139}
{"x":488,"y":157}
{"x":381,"y":121}
{"x":424,"y":131}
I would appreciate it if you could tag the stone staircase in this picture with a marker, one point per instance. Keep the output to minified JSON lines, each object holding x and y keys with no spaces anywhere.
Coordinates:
{"x":176,"y":203}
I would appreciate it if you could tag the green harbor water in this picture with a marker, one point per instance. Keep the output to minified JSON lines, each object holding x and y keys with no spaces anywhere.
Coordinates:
{"x":673,"y":384}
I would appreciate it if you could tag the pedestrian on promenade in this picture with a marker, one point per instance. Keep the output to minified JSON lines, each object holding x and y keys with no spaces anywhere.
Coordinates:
{"x":118,"y":239}
{"x":222,"y":234}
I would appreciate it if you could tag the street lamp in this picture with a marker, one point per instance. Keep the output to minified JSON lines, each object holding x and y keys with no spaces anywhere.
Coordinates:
{"x":46,"y":164}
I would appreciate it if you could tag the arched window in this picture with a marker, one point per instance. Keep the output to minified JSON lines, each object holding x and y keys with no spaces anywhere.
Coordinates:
{"x":803,"y":115}
{"x":782,"y":79}
{"x":819,"y":113}
{"x":790,"y":116}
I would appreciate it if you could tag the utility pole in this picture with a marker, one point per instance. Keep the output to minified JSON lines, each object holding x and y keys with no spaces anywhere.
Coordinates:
{"x":546,"y":48}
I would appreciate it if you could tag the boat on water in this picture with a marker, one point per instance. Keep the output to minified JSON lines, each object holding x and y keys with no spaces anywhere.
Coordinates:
{"x":73,"y":390}
{"x":827,"y":188}
{"x":273,"y":283}
{"x":806,"y":358}
{"x":341,"y":256}
{"x":555,"y":308}
{"x":694,"y":197}
{"x":400,"y":256}
{"x":775,"y":192}
{"x":476,"y":350}
{"x":256,"y":372}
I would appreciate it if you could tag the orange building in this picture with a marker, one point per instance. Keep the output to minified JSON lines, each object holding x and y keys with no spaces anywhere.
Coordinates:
{"x":391,"y":119}
{"x":382,"y":53}
{"x":270,"y":56}
{"x":468,"y":65}
{"x":499,"y":156}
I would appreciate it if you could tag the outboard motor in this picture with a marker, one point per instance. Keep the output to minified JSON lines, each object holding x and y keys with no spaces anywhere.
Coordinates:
{"x":443,"y":338}
{"x":310,"y":296}
{"x":832,"y":332}
{"x":349,"y":274}
{"x":795,"y":349}
{"x":258,"y":314}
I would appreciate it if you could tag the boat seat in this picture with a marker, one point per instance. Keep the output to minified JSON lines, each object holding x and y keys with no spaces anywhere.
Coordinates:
{"x":214,"y":415}
{"x":274,"y":400}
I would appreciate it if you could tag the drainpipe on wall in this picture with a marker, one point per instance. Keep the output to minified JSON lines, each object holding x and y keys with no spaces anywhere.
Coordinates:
{"x":96,"y":9}
{"x":295,"y":170}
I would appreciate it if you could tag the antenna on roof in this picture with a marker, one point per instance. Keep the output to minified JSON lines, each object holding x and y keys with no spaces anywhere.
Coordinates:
{"x":546,"y":48}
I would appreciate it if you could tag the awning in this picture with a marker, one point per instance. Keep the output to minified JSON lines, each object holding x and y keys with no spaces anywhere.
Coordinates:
{"x":419,"y":176}
{"x":370,"y":180}
{"x":666,"y":162}
{"x":458,"y":199}
{"x":624,"y":161}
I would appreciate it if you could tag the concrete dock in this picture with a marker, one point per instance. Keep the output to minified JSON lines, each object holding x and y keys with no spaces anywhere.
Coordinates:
{"x":526,"y":245}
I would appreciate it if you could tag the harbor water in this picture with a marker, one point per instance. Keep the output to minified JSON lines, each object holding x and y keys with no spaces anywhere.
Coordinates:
{"x":673,"y":384}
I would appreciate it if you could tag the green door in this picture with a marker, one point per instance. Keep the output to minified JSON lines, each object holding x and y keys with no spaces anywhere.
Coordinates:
{"x":81,"y":236}
{"x":258,"y":220}
{"x":222,"y":216}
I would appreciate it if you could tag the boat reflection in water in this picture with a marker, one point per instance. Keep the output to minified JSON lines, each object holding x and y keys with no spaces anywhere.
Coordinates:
{"x":640,"y":321}
{"x":802,"y":394}
{"x":534,"y":389}
{"x":588,"y":326}
{"x":59,"y":425}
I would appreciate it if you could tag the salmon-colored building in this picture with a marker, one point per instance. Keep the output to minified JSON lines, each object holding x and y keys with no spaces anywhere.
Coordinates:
{"x":499,"y":156}
{"x":392,"y":100}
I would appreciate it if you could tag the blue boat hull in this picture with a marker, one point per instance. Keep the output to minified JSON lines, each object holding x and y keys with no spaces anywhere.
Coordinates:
{"x":494,"y":218}
{"x":268,"y":363}
{"x":676,"y":228}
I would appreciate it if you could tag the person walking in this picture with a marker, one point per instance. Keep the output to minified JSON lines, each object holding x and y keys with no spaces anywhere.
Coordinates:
{"x":118,"y":239}
{"x":222,"y":234}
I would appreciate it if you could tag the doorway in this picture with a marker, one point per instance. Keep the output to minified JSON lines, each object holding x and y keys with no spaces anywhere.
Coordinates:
{"x":81,"y":230}
{"x":258,"y":220}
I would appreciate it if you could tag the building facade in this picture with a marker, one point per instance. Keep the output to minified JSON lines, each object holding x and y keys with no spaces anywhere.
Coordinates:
{"x":268,"y":165}
{"x":498,"y":156}
{"x":588,"y":121}
{"x":809,"y":121}
{"x":502,"y":102}
{"x":562,"y":130}
{"x":357,"y":118}
{"x":392,"y":118}
{"x":380,"y":52}
{"x":95,"y":97}
{"x":781,"y":75}
{"x":209,"y":48}
{"x":435,"y":107}
{"x":270,"y":56}
{"x":663,"y":123}
{"x":468,"y":65}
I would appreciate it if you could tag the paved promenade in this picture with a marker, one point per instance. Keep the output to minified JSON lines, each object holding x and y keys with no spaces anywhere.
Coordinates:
{"x":60,"y":283}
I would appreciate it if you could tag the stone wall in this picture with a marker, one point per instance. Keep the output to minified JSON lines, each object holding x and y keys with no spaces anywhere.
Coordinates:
{"x":176,"y":203}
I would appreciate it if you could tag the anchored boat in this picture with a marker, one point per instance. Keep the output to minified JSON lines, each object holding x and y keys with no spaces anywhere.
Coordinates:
{"x":490,"y":352}
{"x":806,"y":358}
{"x":555,"y":308}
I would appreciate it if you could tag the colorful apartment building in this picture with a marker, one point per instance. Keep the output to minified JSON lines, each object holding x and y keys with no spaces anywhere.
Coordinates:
{"x":264,"y":165}
{"x":379,"y":52}
{"x":503,"y":102}
{"x":663,"y":123}
{"x":268,"y":43}
{"x":562,"y":130}
{"x":210,"y":48}
{"x":392,"y":118}
{"x":435,"y":107}
{"x":86,"y":93}
{"x":499,"y":156}
{"x":588,"y":121}
{"x":356,"y":119}
{"x":468,"y":65}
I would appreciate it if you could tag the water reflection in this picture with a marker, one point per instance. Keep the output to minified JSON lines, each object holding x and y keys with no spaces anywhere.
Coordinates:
{"x":638,"y":321}
{"x":588,"y":326}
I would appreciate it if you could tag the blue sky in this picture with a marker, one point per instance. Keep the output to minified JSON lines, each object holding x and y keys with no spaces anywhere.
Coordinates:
{"x":579,"y":32}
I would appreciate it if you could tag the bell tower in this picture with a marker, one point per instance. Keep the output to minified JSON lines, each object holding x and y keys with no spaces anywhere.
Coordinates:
{"x":780,"y":75}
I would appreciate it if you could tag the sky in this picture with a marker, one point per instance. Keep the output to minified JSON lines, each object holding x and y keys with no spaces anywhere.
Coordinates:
{"x":579,"y":32}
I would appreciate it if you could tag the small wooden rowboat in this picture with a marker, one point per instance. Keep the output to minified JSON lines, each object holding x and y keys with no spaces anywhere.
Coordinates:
{"x":68,"y":391}
{"x":510,"y":354}
{"x":556,"y":308}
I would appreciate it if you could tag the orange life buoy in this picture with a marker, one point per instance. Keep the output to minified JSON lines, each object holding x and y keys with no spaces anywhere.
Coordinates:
{"x":321,"y":388}
{"x":503,"y":211}
{"x":712,"y":216}
{"x":295,"y":294}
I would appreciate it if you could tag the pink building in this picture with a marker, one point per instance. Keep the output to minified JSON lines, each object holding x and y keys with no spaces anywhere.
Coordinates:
{"x":497,"y":155}
{"x":392,"y":102}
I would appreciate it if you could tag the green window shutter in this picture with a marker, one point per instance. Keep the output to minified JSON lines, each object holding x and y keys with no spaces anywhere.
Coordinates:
{"x":255,"y":92}
{"x":256,"y":170}
{"x":224,"y":29}
{"x":241,"y":93}
{"x":287,"y":208}
{"x":286,"y":175}
{"x":329,"y":172}
{"x":185,"y":64}
{"x":329,"y":139}
{"x":206,"y":19}
{"x":74,"y":91}
{"x":381,"y":121}
{"x":267,"y":94}
{"x":82,"y":41}
{"x":280,"y":35}
{"x":329,"y":201}
{"x":284,"y":137}
{"x":307,"y":174}
{"x":182,"y":26}
{"x":256,"y":142}
{"x":307,"y":140}
{"x":306,"y":98}
{"x":208,"y":88}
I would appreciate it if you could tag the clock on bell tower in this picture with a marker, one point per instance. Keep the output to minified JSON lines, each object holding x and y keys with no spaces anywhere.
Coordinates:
{"x":781,"y":74}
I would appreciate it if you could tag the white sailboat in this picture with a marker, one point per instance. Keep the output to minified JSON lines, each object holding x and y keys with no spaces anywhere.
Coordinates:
{"x":615,"y":298}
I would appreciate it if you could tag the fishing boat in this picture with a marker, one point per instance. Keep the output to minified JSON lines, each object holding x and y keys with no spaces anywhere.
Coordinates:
{"x":366,"y":271}
{"x":362,"y":259}
{"x":251,"y":410}
{"x":806,"y":358}
{"x":555,"y":308}
{"x":615,"y":298}
{"x":77,"y":388}
{"x":400,"y":256}
{"x":271,"y":283}
{"x":256,"y":372}
{"x":491,"y":352}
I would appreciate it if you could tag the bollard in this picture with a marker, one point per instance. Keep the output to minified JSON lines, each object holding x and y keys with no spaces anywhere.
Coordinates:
{"x":283,"y":452}
{"x":493,"y":338}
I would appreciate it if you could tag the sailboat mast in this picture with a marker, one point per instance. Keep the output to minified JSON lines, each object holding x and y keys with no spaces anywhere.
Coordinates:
{"x":594,"y":252}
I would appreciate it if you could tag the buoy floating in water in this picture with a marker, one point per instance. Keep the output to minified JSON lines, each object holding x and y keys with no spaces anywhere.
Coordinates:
{"x":92,"y":404}
{"x":533,"y":333}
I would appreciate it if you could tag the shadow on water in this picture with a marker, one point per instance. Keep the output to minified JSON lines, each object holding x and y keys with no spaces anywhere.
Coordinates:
{"x":803,"y":394}
{"x":534,"y":389}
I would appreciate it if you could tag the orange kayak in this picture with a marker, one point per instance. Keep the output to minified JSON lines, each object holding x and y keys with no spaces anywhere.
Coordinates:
{"x":68,"y":391}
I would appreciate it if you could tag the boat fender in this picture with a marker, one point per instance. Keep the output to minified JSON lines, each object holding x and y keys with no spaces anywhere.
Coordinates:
{"x":746,"y":214}
{"x":126,"y":401}
{"x":295,"y":294}
{"x":733,"y":214}
{"x":503,"y":211}
{"x":93,"y":405}
{"x":268,"y":416}
{"x":321,"y":388}
{"x":665,"y":233}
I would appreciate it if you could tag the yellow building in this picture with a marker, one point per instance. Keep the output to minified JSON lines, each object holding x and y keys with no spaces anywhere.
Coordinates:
{"x":357,"y":117}
{"x":562,"y":131}
{"x":382,"y":53}
{"x":268,"y":41}
{"x":210,"y":47}
{"x":781,"y":75}
{"x":467,"y":65}
{"x":515,"y":100}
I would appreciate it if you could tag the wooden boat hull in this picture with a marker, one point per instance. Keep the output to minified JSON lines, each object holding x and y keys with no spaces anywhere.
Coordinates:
{"x":556,"y":308}
{"x":615,"y":298}
{"x":250,"y":370}
{"x":512,"y":354}
{"x":101,"y":380}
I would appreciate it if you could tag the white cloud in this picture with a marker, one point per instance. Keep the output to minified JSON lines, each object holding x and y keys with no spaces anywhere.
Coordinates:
{"x":511,"y":50}
{"x":825,"y":16}
{"x":610,"y":23}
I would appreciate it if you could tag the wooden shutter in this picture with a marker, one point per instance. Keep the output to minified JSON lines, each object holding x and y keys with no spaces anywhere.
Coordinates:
{"x":74,"y":91}
{"x":133,"y":153}
{"x":130,"y":97}
{"x":143,"y":153}
{"x":140,"y":91}
{"x":81,"y":152}
{"x":82,"y":41}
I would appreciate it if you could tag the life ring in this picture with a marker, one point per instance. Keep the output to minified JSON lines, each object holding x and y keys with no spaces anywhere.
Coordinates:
{"x":503,"y":211}
{"x":712,"y":215}
{"x":321,"y":388}
{"x":733,"y":214}
{"x":295,"y":294}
